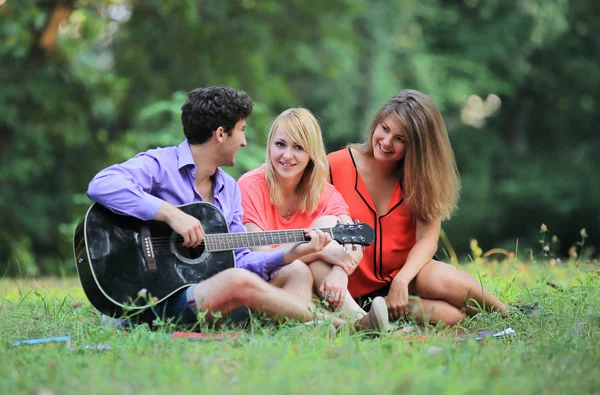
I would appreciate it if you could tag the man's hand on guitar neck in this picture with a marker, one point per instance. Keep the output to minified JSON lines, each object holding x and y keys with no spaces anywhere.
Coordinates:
{"x":318,"y":241}
{"x":184,"y":224}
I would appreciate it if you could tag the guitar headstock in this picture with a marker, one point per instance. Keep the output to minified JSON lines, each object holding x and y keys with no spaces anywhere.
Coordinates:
{"x":354,"y":233}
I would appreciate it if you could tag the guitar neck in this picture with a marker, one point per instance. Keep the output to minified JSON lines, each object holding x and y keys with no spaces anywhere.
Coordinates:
{"x":232,"y":241}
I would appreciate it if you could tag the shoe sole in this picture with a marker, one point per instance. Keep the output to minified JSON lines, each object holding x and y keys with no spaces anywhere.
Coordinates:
{"x":380,"y":313}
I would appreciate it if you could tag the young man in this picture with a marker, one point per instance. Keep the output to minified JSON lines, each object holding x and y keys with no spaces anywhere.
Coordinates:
{"x":151,"y":184}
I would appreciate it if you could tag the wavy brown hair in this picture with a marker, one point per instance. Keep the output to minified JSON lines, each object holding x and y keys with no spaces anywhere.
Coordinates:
{"x":431,"y":183}
{"x":304,"y":130}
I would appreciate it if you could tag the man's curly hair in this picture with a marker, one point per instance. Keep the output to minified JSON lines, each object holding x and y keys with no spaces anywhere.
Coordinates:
{"x":208,"y":108}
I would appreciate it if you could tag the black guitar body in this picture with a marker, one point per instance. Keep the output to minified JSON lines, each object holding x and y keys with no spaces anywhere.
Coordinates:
{"x":116,"y":256}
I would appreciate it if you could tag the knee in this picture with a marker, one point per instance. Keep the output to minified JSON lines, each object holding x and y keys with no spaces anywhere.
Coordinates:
{"x":240,"y":282}
{"x":448,"y":281}
{"x":298,"y":271}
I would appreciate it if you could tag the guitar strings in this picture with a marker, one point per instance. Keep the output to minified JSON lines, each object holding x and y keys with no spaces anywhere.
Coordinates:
{"x":163,"y":243}
{"x":180,"y":240}
{"x":278,"y":233}
{"x":239,"y":237}
{"x":266,"y":234}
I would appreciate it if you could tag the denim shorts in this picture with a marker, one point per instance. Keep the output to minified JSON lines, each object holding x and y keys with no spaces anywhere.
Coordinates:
{"x":181,"y":307}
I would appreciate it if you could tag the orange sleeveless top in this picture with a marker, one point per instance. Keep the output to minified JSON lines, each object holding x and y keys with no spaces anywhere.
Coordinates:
{"x":395,"y":230}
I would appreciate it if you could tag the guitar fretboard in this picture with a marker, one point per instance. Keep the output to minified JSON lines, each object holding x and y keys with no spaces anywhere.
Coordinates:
{"x":232,"y":241}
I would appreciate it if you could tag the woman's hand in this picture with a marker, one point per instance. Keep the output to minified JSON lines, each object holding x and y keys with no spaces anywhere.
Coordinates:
{"x":334,"y":287}
{"x":398,"y":298}
{"x":336,"y":256}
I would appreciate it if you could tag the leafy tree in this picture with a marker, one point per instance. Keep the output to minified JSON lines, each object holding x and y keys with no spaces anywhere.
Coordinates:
{"x":51,"y":106}
{"x":89,"y":83}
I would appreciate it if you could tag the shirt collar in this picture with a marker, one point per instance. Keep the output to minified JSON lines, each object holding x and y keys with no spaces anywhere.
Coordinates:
{"x":185,"y":159}
{"x":184,"y":154}
{"x":219,"y":184}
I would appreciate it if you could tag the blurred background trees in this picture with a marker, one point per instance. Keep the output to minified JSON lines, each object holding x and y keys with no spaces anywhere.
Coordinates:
{"x":84,"y":84}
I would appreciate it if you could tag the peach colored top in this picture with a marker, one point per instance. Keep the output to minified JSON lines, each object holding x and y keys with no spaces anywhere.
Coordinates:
{"x":259,"y":210}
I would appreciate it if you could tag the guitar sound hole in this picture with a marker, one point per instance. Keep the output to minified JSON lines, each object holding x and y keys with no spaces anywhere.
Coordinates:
{"x":185,"y":254}
{"x":190,"y":253}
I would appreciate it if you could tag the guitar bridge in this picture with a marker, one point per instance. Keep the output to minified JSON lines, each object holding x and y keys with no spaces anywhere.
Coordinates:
{"x":147,"y":249}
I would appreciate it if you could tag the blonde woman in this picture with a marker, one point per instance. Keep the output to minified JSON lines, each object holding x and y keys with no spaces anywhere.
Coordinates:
{"x":403,"y":181}
{"x":290,"y":191}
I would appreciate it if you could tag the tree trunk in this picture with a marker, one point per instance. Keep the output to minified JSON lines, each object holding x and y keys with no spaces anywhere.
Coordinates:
{"x":60,"y":11}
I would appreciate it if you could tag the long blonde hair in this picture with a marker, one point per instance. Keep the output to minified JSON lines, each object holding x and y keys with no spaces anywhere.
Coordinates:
{"x":304,"y":130}
{"x":431,"y":183}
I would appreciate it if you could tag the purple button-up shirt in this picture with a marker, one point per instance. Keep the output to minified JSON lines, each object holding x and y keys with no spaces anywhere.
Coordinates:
{"x":139,"y":187}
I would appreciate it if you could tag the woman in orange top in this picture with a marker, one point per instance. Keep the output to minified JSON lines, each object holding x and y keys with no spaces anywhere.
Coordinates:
{"x":291,"y":191}
{"x":403,"y":181}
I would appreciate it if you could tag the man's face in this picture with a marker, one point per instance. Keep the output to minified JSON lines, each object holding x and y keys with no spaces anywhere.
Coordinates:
{"x":231,"y":144}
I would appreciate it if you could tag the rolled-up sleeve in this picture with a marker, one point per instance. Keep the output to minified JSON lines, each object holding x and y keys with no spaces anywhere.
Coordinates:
{"x":261,"y":263}
{"x":126,"y":188}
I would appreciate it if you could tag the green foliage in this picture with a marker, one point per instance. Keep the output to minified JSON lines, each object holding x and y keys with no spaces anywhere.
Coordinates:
{"x":515,"y":80}
{"x":50,"y":110}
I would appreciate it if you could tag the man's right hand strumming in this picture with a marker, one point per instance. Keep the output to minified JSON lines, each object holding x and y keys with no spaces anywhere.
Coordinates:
{"x":184,"y":224}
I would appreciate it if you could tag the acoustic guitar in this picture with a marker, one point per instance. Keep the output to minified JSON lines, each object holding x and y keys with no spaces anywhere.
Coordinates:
{"x":126,"y":265}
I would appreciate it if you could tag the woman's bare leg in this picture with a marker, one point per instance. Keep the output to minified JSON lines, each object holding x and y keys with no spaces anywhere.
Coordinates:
{"x":434,"y":311}
{"x":296,"y":279}
{"x":440,"y":281}
{"x":320,"y":270}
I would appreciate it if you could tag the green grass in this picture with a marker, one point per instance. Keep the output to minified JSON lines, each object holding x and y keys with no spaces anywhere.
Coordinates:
{"x":556,"y":349}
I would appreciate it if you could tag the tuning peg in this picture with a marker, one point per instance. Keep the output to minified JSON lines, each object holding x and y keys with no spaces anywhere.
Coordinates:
{"x":338,"y":222}
{"x":363,"y":248}
{"x":356,"y":221}
{"x":344,"y":248}
{"x":353,"y":247}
